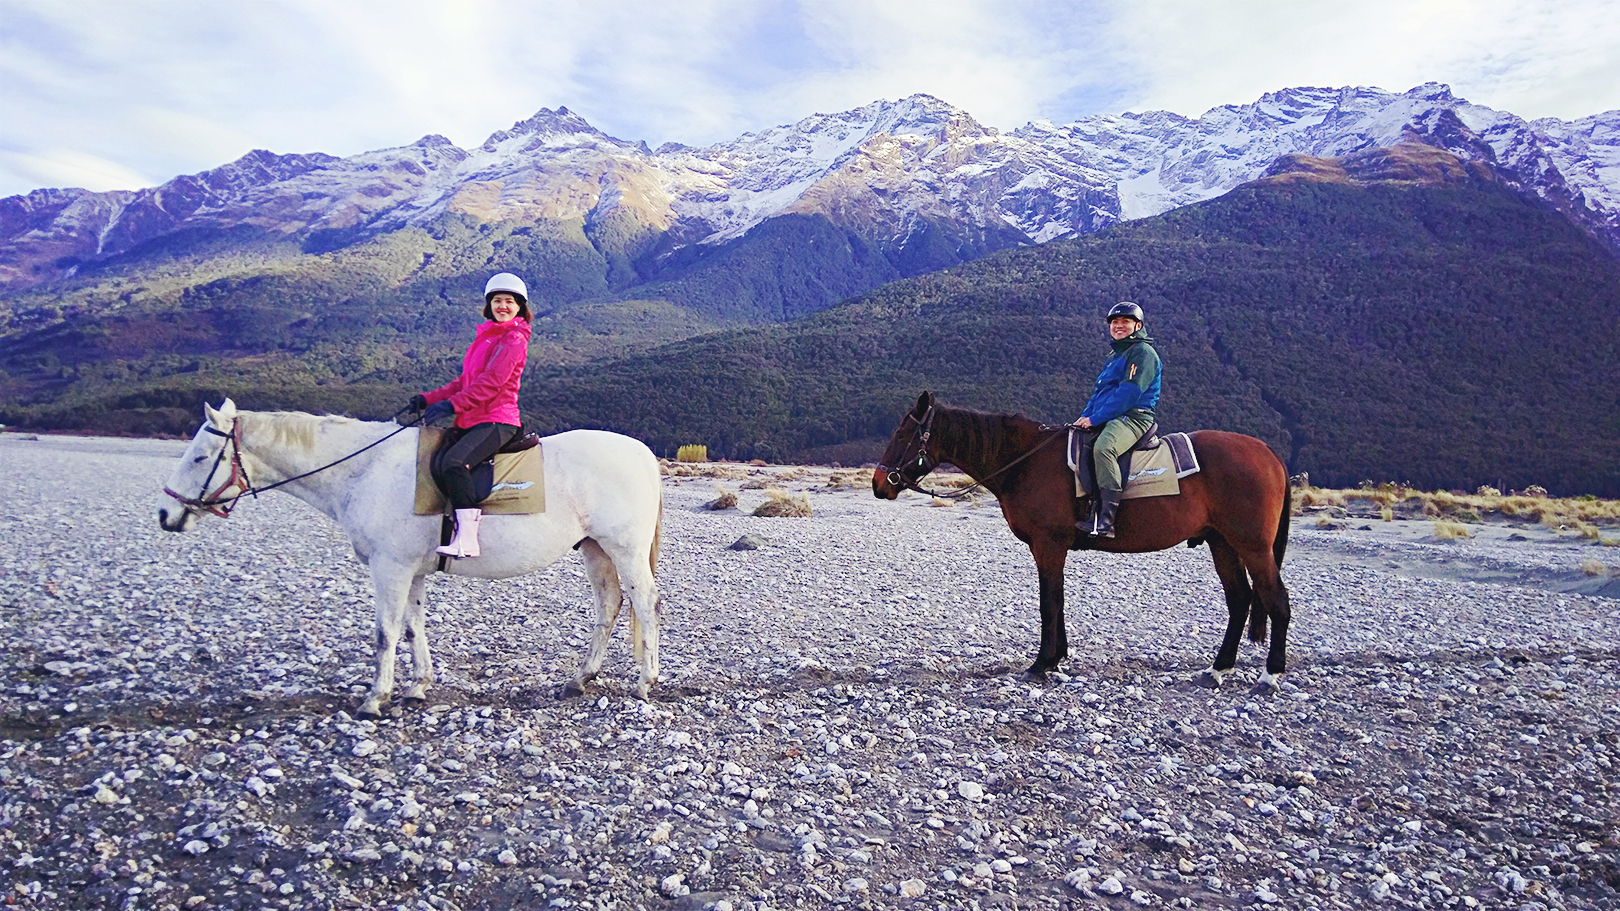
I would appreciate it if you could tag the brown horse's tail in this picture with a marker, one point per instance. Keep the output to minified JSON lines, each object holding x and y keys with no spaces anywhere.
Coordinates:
{"x":1279,"y":546}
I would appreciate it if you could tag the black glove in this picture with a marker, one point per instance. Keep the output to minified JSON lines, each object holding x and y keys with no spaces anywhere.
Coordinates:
{"x":418,"y":403}
{"x":438,"y":411}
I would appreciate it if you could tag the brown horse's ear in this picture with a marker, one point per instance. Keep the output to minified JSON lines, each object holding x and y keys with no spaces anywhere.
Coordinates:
{"x":924,"y":402}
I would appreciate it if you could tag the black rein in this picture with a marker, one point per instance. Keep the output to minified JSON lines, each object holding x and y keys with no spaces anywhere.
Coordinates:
{"x":927,"y":463}
{"x":222,"y":506}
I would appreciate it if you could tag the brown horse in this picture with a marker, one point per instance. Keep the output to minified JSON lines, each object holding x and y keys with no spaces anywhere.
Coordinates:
{"x":1239,"y":504}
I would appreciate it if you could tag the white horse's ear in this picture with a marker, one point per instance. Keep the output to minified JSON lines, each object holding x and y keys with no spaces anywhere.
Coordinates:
{"x":221,"y":416}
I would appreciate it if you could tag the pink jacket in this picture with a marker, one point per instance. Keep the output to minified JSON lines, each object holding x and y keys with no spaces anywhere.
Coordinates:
{"x":487,"y":390}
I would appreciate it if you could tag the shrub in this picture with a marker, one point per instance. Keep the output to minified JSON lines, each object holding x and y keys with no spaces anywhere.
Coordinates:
{"x":1535,"y":490}
{"x":692,"y":452}
{"x":1486,"y":490}
{"x":1593,"y":568}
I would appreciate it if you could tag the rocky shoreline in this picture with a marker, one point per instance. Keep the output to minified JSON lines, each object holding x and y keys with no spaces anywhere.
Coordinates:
{"x":842,"y":721}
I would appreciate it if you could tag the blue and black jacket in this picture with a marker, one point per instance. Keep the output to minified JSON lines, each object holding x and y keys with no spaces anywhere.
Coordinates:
{"x":1129,"y":381}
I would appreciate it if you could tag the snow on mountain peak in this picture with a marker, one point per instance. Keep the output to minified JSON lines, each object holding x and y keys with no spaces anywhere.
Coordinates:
{"x":876,"y":169}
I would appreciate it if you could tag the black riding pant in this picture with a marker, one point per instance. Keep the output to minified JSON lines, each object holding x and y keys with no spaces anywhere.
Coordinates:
{"x":464,"y":450}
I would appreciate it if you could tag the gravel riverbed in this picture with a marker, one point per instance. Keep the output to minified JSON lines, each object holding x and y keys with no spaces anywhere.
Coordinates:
{"x":841,"y":721}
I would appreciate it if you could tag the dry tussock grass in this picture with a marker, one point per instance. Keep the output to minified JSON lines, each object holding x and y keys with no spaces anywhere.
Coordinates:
{"x":779,"y":502}
{"x":724,"y":471}
{"x":1584,"y":515}
{"x":1593,"y":568}
{"x":725,"y":500}
{"x":1450,"y":531}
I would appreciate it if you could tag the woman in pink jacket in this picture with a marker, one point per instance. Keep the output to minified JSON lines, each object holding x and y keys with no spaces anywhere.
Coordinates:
{"x":483,"y":400}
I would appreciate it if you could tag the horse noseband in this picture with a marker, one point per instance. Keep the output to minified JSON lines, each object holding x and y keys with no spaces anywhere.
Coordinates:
{"x":213,"y":502}
{"x":924,"y":430}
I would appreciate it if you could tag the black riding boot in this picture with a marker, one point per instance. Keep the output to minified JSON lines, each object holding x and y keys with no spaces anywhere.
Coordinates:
{"x":1102,"y":517}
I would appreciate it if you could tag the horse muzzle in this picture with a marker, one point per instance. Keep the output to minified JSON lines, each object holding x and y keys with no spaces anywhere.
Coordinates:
{"x":175,"y":517}
{"x":886,"y":484}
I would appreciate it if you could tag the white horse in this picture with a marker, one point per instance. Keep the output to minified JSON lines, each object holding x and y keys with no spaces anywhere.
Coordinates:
{"x":604,"y":498}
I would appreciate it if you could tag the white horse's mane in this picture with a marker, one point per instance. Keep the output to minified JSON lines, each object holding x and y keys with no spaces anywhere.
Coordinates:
{"x":291,"y":429}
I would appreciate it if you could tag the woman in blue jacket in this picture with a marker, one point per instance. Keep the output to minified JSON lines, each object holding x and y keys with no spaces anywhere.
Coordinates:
{"x":1122,"y":404}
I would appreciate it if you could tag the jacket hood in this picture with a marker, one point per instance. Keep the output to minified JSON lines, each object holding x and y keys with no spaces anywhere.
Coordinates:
{"x":515,"y":324}
{"x":1139,"y":335}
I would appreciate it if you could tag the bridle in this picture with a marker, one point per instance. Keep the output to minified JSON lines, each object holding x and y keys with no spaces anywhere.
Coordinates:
{"x":926,"y":463}
{"x":221,"y":505}
{"x":214,"y":502}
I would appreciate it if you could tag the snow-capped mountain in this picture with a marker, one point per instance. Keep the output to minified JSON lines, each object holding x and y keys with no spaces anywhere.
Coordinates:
{"x":886,"y":171}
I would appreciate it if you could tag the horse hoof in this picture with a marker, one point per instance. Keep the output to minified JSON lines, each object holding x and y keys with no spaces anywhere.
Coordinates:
{"x":371,"y":708}
{"x":573,"y":689}
{"x":1269,"y":681}
{"x":1035,"y":675}
{"x":1209,"y":679}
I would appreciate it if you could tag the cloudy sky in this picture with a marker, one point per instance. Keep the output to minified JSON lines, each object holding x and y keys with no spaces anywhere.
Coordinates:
{"x":121,"y":94}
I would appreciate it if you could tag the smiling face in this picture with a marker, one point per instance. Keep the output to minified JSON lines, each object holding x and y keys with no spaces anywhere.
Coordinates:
{"x":502,"y":307}
{"x":1121,"y":326}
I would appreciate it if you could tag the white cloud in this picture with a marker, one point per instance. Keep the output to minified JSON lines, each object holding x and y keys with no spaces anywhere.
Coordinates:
{"x":1534,"y":59}
{"x":69,"y":168}
{"x":167,"y":87}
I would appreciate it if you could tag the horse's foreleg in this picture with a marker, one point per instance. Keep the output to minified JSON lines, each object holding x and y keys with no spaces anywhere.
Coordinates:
{"x":1049,"y":560}
{"x":392,"y":585}
{"x":416,"y":632}
{"x":605,"y":586}
{"x":1235,"y":582}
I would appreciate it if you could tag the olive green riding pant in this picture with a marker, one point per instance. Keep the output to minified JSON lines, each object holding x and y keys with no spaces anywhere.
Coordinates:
{"x":1116,"y":439}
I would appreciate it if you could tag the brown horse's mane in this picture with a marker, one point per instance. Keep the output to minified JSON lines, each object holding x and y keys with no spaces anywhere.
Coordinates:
{"x":982,"y":436}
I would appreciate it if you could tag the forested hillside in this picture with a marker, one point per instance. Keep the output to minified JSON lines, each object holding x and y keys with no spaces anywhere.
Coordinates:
{"x":1448,"y":337}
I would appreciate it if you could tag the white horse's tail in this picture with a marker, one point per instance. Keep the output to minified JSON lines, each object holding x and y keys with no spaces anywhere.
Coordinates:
{"x":658,"y":535}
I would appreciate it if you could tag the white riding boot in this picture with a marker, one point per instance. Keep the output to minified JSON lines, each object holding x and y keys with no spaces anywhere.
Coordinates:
{"x":465,"y":541}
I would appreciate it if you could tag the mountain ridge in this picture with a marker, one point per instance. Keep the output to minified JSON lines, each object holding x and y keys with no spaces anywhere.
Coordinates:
{"x":879,"y":170}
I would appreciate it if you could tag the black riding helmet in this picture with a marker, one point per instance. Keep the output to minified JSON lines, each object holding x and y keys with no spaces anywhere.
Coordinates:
{"x":1126,"y":309}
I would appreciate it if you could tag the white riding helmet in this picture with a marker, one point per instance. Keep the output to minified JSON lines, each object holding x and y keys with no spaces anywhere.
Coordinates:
{"x":509,"y":283}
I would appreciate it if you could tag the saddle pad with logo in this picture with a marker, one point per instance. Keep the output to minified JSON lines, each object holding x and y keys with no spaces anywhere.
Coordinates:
{"x":520,"y":481}
{"x":1154,"y":472}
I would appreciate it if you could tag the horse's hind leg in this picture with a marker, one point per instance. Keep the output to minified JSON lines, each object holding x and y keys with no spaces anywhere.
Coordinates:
{"x":1235,"y":582}
{"x":636,"y":578}
{"x":1271,"y":598}
{"x":416,"y":632}
{"x":609,"y":596}
{"x":392,"y":585}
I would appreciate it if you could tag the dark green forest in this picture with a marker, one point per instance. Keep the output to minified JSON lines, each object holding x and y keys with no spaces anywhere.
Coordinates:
{"x":1443,"y":336}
